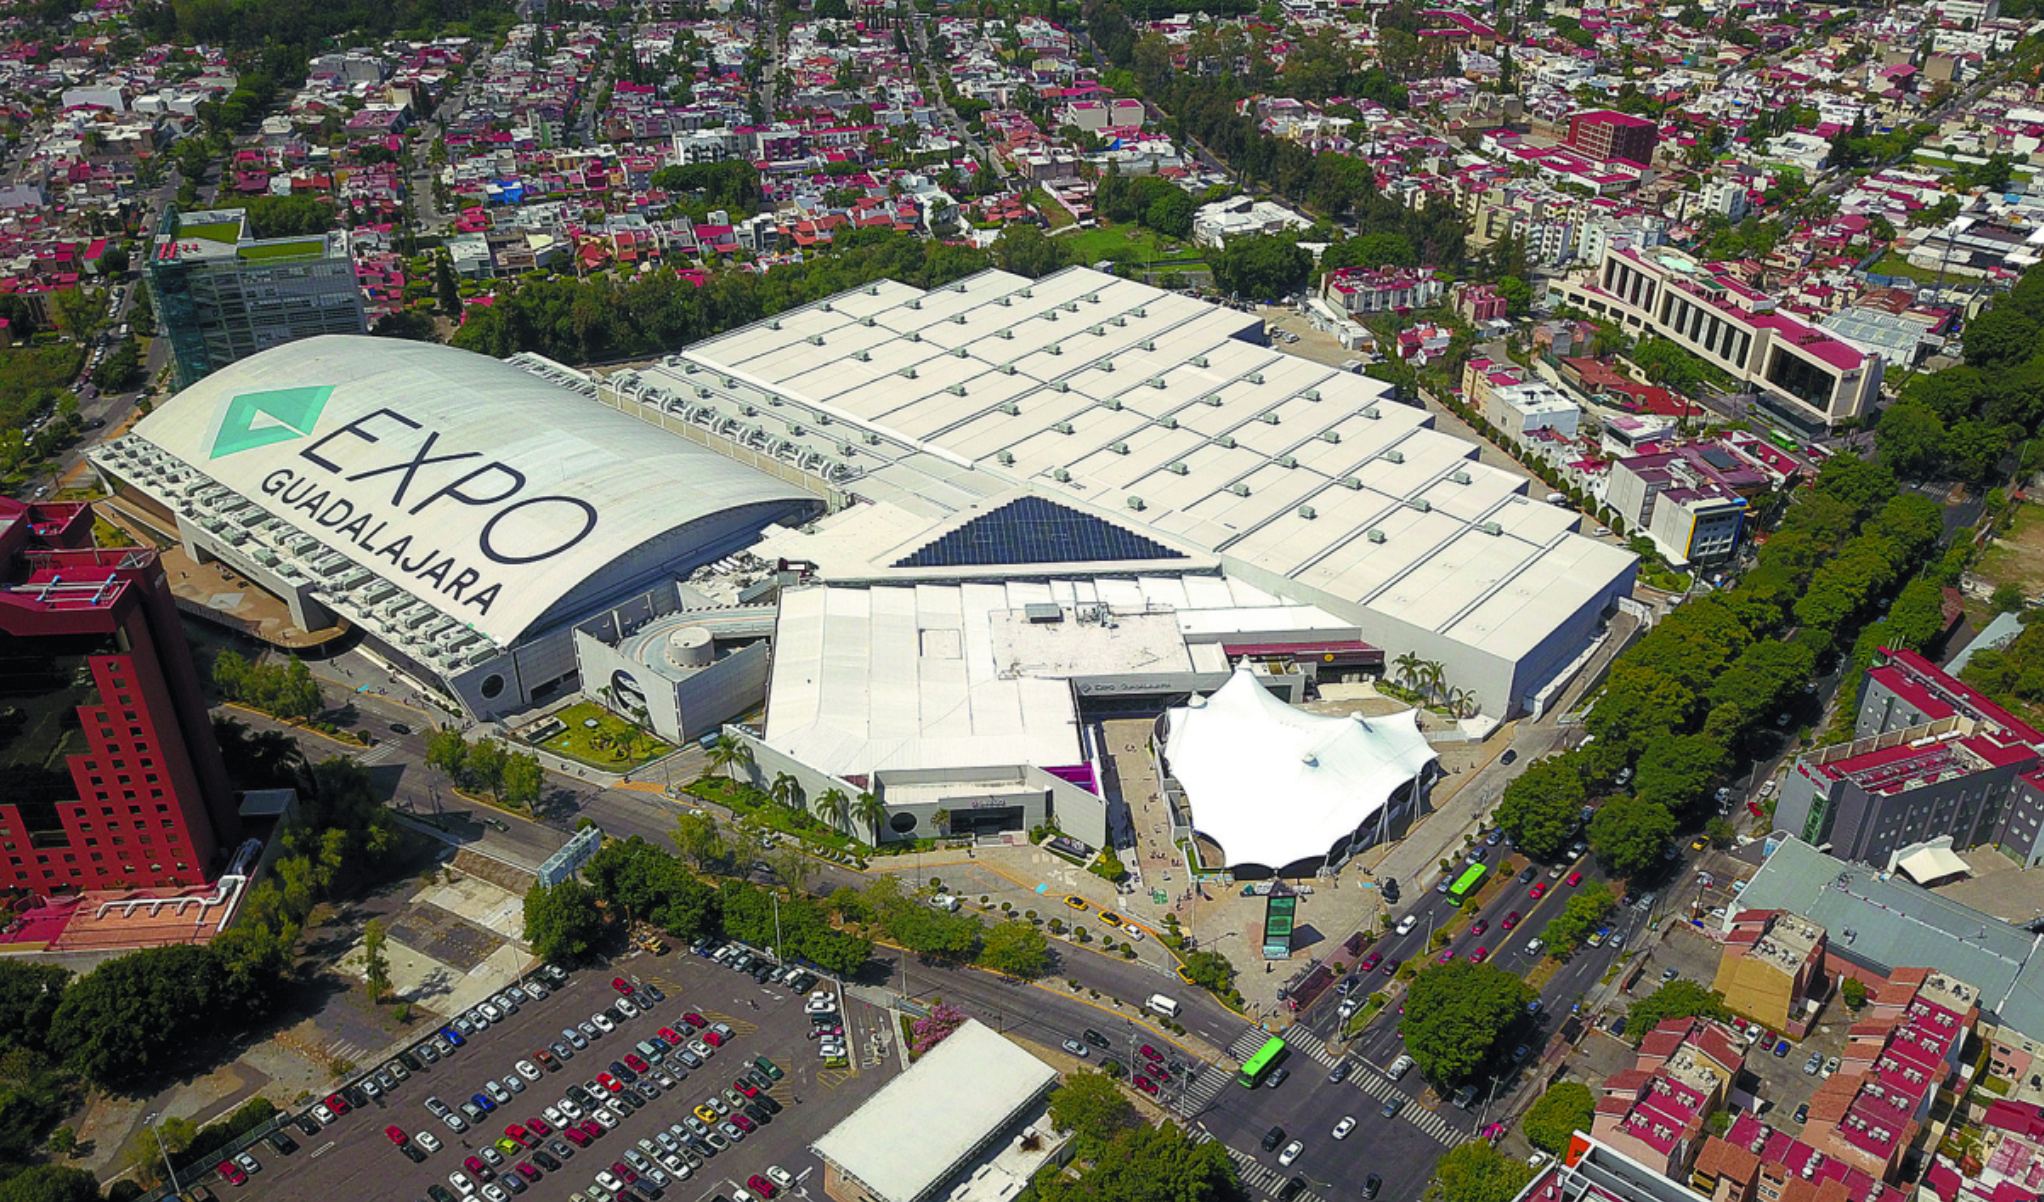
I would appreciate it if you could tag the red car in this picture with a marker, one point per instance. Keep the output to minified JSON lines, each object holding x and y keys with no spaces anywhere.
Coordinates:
{"x":695,"y":1020}
{"x":232,"y":1174}
{"x":546,"y":1060}
{"x":539,"y":1126}
{"x":575,"y":1136}
{"x":744,"y":1123}
{"x":1574,"y":879}
{"x":474,"y":1164}
{"x":609,"y":1082}
{"x":1447,"y":954}
{"x":1152,"y":1054}
{"x":761,"y":1187}
{"x":1480,"y":926}
{"x":1146,"y":1085}
{"x":624,"y":1171}
{"x":1538,"y":891}
{"x":1754,"y":807}
{"x":397,"y":1134}
{"x":671,"y":1036}
{"x":623,"y":986}
{"x":637,"y":1065}
{"x":713,"y":1039}
{"x":520,"y":1136}
{"x":746,"y":1087}
{"x":337,"y":1103}
{"x":1511,"y":920}
{"x":1370,"y":962}
{"x":527,"y":1171}
{"x":591,"y":1129}
{"x":1479,"y":955}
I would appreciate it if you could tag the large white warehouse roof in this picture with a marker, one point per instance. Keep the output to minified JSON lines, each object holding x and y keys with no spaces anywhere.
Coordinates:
{"x":473,"y":489}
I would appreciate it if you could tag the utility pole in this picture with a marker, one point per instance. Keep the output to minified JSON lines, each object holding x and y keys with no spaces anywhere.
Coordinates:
{"x":150,"y":1119}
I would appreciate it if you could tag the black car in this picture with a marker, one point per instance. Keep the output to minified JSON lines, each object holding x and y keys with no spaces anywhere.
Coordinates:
{"x":622,"y":1072}
{"x":652,"y":992}
{"x":1339,"y":1072}
{"x":308,"y":1124}
{"x":1618,"y":1025}
{"x":411,"y":1062}
{"x":580,"y":1096}
{"x":1392,"y":1107}
{"x":1509,"y":755}
{"x":546,"y":1161}
{"x":1277,"y":1078}
{"x":439,"y":1193}
{"x":1529,"y":876}
{"x":1272,"y":1138}
{"x":412,"y":1152}
{"x":757,"y":1113}
{"x":356,"y":1097}
{"x":1371,"y":1185}
{"x":1095,"y":1038}
{"x":1292,"y":1189}
{"x":1391,"y":889}
{"x":767,"y":1101}
{"x":283,"y":1143}
{"x":399,"y":728}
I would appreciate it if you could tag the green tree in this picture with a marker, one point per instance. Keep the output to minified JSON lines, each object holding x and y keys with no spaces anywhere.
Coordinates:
{"x":697,"y":838}
{"x":1211,"y":970}
{"x":485,"y":767}
{"x":1477,"y":1172}
{"x":28,"y":1000}
{"x":1456,"y":1013}
{"x":1541,"y":807}
{"x":1150,"y":1164}
{"x":1563,"y":1110}
{"x":1630,"y":835}
{"x":1911,"y":438}
{"x":1853,"y":992}
{"x":50,"y":1183}
{"x":1092,"y":1107}
{"x":1016,"y":948}
{"x":1676,"y":772}
{"x":2000,"y":337}
{"x":1679,"y":998}
{"x":2008,"y":597}
{"x":1583,"y":914}
{"x":523,"y":778}
{"x":1260,"y":267}
{"x":564,"y":922}
{"x":444,"y":287}
{"x":448,"y":751}
{"x":375,"y":965}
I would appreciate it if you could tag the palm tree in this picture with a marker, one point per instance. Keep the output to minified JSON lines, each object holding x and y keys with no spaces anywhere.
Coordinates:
{"x":787,"y":791}
{"x":942,"y":821}
{"x":1431,"y":677}
{"x":728,"y":753}
{"x":835,"y":807}
{"x":1408,"y":667}
{"x":872,"y":811}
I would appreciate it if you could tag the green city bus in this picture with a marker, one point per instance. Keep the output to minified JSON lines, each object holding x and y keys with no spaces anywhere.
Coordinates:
{"x":1258,"y":1066}
{"x":1469,"y":882}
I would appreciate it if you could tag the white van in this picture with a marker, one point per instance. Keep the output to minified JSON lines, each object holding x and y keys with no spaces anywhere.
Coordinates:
{"x":944,"y":901}
{"x":1160,"y":1004}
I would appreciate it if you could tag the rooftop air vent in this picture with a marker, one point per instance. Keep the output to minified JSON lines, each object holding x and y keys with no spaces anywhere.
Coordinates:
{"x":1111,"y":403}
{"x":1240,"y":490}
{"x":1005,"y":458}
{"x":1006,"y":334}
{"x":1097,"y":331}
{"x":1459,"y":477}
{"x":1156,"y":382}
{"x":872,"y":438}
{"x":1288,"y":461}
{"x":1178,"y":468}
{"x":908,"y":373}
{"x":872,"y":290}
{"x":1331,"y":435}
{"x":1351,"y":483}
{"x":862,"y":356}
{"x":774,"y":324}
{"x":914,"y":303}
{"x":1105,"y":365}
{"x":956,"y":390}
{"x":1050,"y":315}
{"x":1169,"y":423}
{"x":1213,"y":399}
{"x":1306,"y":511}
{"x":1071,"y":306}
{"x":1420,"y":503}
{"x":1119,"y":448}
{"x":1005,"y":302}
{"x":816,"y":340}
{"x":913,"y":336}
{"x":960,"y":353}
{"x":1491,"y":528}
{"x":1007,"y":369}
{"x":1226,"y":442}
{"x":1311,"y":394}
{"x":1139,"y":311}
{"x":1136,"y":503}
{"x":1256,"y":377}
{"x":1374,"y":535}
{"x":1063,"y":427}
{"x":825,"y":306}
{"x":1055,"y":349}
{"x":1394,"y":456}
{"x":1060,"y":475}
{"x":1024,"y":292}
{"x":1269,"y":419}
{"x":1199,"y":360}
{"x":959,"y":287}
{"x":868,"y":322}
{"x":1371,"y":413}
{"x":1091,"y":298}
{"x":958,"y":319}
{"x":1011,"y":409}
{"x":1060,"y":386}
{"x":1149,"y":344}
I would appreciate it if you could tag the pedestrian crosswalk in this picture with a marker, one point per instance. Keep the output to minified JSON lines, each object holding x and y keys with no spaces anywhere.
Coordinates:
{"x":382,"y":753}
{"x":1205,"y":1088}
{"x":1254,"y":1173}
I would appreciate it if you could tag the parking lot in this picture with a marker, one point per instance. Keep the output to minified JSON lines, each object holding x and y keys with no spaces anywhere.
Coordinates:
{"x":355,"y":1156}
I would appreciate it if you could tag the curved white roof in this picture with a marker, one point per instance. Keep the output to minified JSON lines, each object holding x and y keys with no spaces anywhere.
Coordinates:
{"x":1273,"y":784}
{"x":490,"y":491}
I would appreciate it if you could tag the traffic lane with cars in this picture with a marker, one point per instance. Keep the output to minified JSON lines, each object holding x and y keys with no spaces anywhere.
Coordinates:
{"x":1401,"y":1149}
{"x":355,"y":1154}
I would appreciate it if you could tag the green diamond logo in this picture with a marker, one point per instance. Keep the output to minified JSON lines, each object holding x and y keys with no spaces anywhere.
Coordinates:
{"x":257,"y":419}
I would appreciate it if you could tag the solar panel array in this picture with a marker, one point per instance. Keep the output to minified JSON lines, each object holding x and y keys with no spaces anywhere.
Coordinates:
{"x":1033,"y":530}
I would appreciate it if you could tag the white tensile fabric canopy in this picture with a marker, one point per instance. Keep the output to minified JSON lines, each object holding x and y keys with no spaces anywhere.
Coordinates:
{"x":1273,"y":784}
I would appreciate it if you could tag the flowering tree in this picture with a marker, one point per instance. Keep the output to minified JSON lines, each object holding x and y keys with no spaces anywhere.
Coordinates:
{"x":929,"y":1032}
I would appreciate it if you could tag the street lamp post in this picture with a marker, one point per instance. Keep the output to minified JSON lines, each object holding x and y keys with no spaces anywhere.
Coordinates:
{"x":150,"y":1120}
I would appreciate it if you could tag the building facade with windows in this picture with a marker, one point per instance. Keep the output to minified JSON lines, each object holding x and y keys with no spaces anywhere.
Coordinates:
{"x":1606,"y":135}
{"x":109,"y":774}
{"x":221,"y":294}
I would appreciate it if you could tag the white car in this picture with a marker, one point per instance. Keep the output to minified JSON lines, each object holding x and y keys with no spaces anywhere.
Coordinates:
{"x":494,"y":1192}
{"x":427,"y":1140}
{"x":553,"y":1115}
{"x":569,"y":1108}
{"x":780,"y":1176}
{"x":497,"y":1091}
{"x":602,"y":1023}
{"x":1291,"y":1153}
{"x":514,"y":1082}
{"x":821,"y":1005}
{"x":625,"y":1007}
{"x":455,"y":1122}
{"x":604,"y":1116}
{"x":528,"y":1070}
{"x":536,"y":991}
{"x":1406,"y":924}
{"x":491,"y":1012}
{"x":609,"y":1181}
{"x":459,"y":1180}
{"x":1346,"y":1125}
{"x":700,"y":1048}
{"x":320,"y":1112}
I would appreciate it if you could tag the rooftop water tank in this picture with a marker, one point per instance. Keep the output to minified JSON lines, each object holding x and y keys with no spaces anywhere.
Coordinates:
{"x":690,"y":647}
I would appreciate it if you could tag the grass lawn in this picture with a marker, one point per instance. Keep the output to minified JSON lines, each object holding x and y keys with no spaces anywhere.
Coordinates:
{"x":1056,"y":214}
{"x":1127,"y":241}
{"x":211,"y":231}
{"x":284,"y":250}
{"x":2018,"y":556}
{"x":580,"y":742}
{"x":1895,"y":265}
